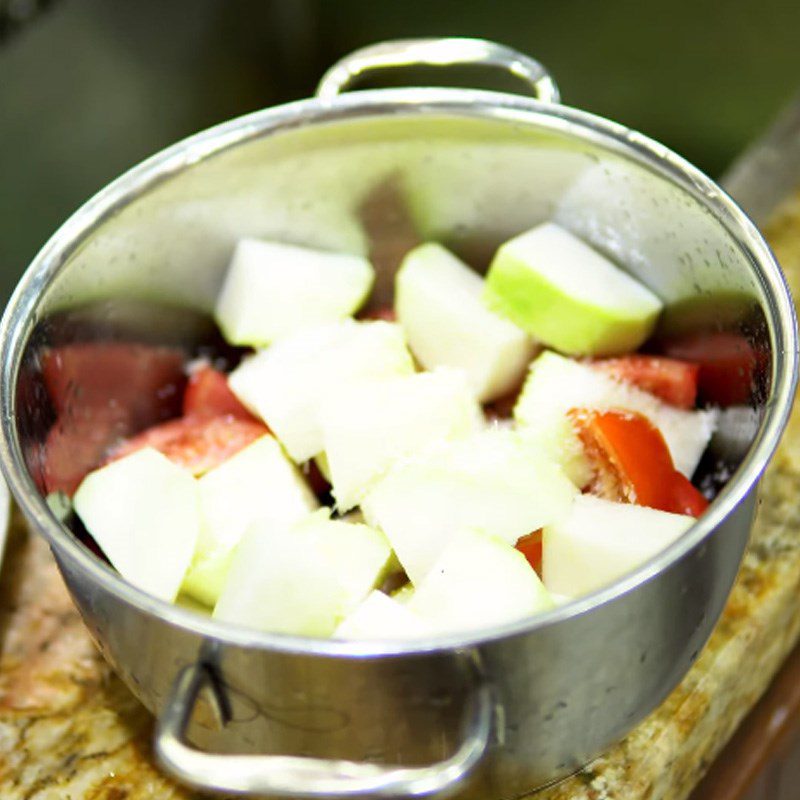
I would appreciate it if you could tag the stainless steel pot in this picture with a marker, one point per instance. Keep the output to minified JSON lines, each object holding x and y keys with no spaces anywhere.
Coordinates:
{"x":490,"y":715}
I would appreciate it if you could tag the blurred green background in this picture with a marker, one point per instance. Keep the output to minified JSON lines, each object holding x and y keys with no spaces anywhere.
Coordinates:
{"x":90,"y":87}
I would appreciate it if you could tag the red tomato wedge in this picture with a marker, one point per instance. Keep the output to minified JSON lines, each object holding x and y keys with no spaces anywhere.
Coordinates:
{"x":208,"y":395}
{"x":145,"y":381}
{"x":530,"y":546}
{"x":686,"y":499}
{"x":727,"y":363}
{"x":633,"y":462}
{"x":671,"y":380}
{"x":102,"y":392}
{"x":75,"y":446}
{"x":196,"y":443}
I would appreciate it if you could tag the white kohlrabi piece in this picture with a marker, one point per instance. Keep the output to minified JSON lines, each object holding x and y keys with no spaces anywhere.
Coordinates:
{"x":558,"y":441}
{"x":286,"y":383}
{"x":257,"y":484}
{"x":369,"y":425}
{"x":556,"y":384}
{"x":600,"y":541}
{"x":303,"y":579}
{"x":273,"y":290}
{"x":478,"y":581}
{"x":381,"y":617}
{"x":493,"y":481}
{"x":143,"y":512}
{"x":439,"y":303}
{"x":569,"y":296}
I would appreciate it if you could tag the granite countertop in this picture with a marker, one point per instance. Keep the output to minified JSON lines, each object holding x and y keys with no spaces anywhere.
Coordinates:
{"x":70,"y":729}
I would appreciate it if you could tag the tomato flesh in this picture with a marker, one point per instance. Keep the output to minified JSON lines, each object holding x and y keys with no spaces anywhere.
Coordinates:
{"x":75,"y":446}
{"x":633,"y":462}
{"x":103,"y":392}
{"x":686,"y":499}
{"x":670,"y":379}
{"x":727,"y":364}
{"x":530,"y":546}
{"x":147,"y":382}
{"x":196,"y":443}
{"x":208,"y":395}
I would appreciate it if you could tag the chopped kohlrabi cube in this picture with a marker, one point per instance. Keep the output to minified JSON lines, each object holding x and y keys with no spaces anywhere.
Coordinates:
{"x":286,"y":383}
{"x":273,"y":290}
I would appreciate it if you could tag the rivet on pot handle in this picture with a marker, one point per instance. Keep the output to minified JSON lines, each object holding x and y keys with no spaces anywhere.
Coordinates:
{"x":298,"y":776}
{"x":438,"y":52}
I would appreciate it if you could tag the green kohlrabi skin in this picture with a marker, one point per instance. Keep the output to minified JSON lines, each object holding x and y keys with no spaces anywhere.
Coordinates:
{"x":569,"y":297}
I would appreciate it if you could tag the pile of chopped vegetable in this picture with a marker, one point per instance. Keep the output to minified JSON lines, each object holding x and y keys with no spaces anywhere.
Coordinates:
{"x":481,"y":451}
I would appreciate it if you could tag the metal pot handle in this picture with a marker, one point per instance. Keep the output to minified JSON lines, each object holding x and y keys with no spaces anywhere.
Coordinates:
{"x":297,"y":776}
{"x":443,"y":52}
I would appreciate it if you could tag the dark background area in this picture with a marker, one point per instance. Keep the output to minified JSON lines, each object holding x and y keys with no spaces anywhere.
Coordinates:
{"x":90,"y":87}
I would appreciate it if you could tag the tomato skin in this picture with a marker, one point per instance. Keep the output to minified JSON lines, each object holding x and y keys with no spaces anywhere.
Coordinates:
{"x":101,"y":393}
{"x":196,"y":443}
{"x":672,"y":380}
{"x":530,"y":546}
{"x":145,"y":381}
{"x":728,"y":364}
{"x":686,"y":498}
{"x":74,"y":446}
{"x":633,"y":462}
{"x":105,"y":392}
{"x":208,"y":395}
{"x":632,"y":447}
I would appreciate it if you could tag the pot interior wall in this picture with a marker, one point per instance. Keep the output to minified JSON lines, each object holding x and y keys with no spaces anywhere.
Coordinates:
{"x":377,"y":184}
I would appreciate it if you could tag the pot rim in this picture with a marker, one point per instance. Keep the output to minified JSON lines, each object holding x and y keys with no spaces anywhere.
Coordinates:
{"x":21,"y":314}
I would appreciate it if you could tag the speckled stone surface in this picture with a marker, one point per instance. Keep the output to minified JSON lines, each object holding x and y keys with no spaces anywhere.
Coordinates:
{"x":69,"y":729}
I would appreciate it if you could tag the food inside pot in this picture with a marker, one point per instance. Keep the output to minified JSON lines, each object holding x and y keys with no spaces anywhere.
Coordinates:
{"x":482,"y":450}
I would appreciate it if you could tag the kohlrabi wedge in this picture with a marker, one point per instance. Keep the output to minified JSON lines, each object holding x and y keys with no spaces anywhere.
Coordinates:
{"x":368,"y":425}
{"x":302,"y":579}
{"x":257,"y":485}
{"x":478,"y":581}
{"x":273,"y":290}
{"x":381,"y":617}
{"x":600,"y":541}
{"x":439,"y":303}
{"x":493,"y":481}
{"x":556,"y":384}
{"x":286,"y":383}
{"x":558,"y":441}
{"x":143,"y":512}
{"x":568,"y":296}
